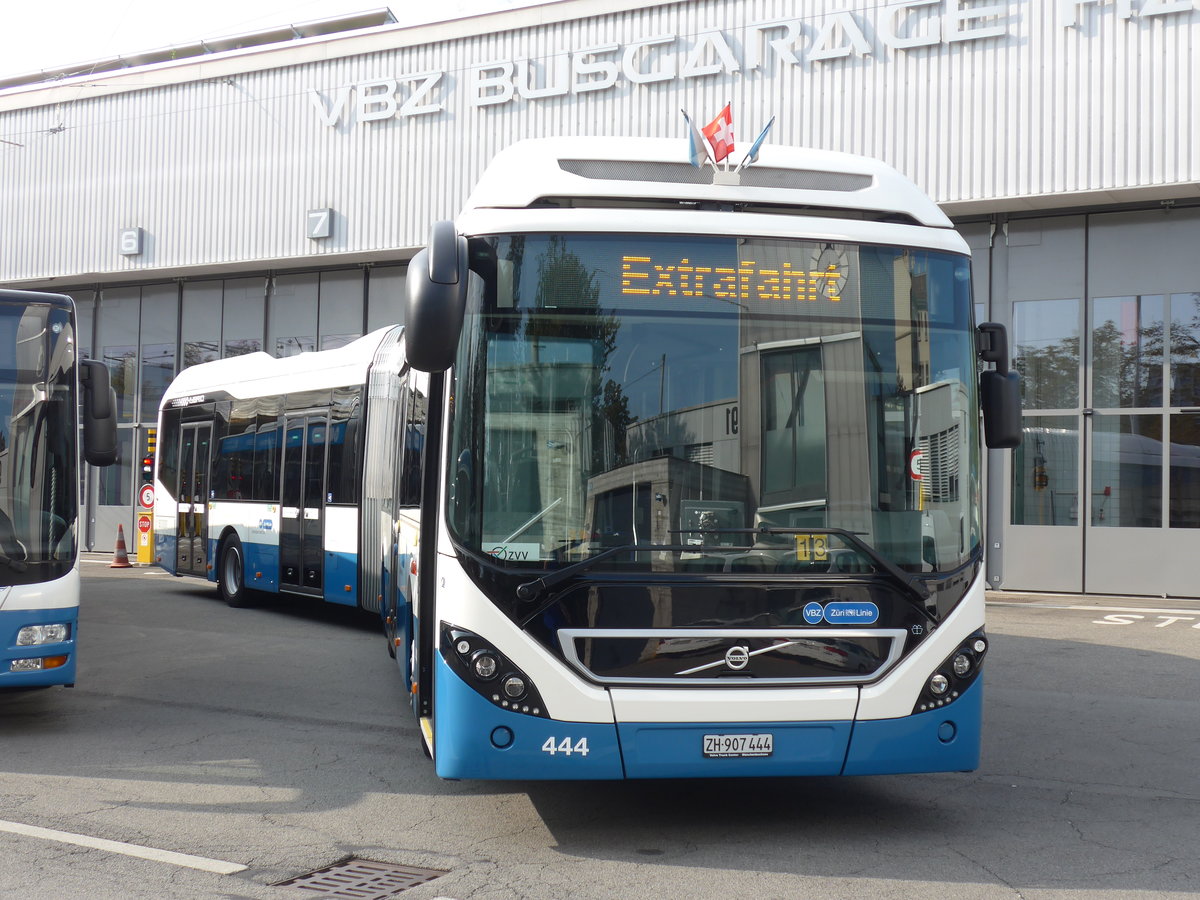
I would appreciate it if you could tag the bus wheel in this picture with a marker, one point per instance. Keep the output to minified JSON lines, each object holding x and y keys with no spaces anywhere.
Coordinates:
{"x":389,"y":631}
{"x":231,"y":574}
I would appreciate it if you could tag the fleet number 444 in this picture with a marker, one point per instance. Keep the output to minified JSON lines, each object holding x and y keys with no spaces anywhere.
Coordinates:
{"x":565,"y":746}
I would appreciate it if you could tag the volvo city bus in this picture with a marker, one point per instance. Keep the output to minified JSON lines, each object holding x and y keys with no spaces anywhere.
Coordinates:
{"x":272,"y":474}
{"x":40,"y":381}
{"x":701,"y":483}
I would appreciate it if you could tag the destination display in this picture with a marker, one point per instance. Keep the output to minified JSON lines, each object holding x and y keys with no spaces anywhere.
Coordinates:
{"x":749,"y":280}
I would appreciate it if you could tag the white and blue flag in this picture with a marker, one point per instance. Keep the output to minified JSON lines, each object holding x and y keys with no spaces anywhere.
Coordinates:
{"x":752,"y":154}
{"x":697,"y":146}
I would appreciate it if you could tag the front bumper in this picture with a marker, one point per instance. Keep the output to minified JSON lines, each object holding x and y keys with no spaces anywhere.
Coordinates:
{"x":476,"y":739}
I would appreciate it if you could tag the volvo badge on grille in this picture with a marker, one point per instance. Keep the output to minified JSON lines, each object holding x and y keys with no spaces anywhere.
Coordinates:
{"x":737,"y":658}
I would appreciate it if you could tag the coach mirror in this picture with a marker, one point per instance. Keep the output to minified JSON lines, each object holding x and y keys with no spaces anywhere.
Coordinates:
{"x":99,"y":414}
{"x":999,"y":390}
{"x":435,"y":300}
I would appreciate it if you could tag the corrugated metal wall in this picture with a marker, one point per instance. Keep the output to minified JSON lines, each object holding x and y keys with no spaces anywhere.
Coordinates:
{"x":223,"y":170}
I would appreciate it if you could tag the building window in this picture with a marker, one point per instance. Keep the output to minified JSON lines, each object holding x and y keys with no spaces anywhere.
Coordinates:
{"x":1127,"y":344}
{"x":341,"y":308}
{"x":159,"y":320}
{"x":201,"y":326}
{"x":1045,"y":472}
{"x":1127,"y":460}
{"x":115,"y":481}
{"x":1185,"y":350}
{"x":385,"y":290}
{"x":1046,"y":353}
{"x":244,"y":300}
{"x":119,"y":346}
{"x":292,"y":319}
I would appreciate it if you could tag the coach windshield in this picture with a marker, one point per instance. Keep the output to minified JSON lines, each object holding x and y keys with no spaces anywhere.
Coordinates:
{"x":38,"y":422}
{"x":715,"y":404}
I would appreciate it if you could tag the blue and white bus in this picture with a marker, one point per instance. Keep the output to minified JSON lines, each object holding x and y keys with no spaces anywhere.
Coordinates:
{"x":262,"y":479}
{"x":701,"y":493}
{"x":41,"y":378}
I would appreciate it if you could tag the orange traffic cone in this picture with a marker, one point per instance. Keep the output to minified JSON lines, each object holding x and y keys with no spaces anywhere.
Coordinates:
{"x":121,"y":554}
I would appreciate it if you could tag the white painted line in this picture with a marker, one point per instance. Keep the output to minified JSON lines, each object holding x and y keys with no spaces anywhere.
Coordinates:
{"x":167,"y":856}
{"x":1127,"y":609}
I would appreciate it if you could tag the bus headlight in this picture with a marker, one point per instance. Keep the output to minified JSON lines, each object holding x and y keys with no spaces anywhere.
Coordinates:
{"x":478,"y":663}
{"x":514,"y":687}
{"x":31,"y":635}
{"x":485,"y":665}
{"x":956,"y":673}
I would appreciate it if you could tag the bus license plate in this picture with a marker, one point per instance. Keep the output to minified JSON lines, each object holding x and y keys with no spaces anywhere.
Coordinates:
{"x":716,"y":746}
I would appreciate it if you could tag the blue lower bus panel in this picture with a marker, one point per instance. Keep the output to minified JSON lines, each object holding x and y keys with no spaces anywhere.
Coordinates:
{"x":473,"y":738}
{"x":941,"y":740}
{"x":675,"y":750}
{"x":11,"y":622}
{"x":476,"y":739}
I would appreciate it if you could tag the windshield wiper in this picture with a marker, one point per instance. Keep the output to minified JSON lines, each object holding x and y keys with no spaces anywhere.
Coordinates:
{"x":910,"y":583}
{"x":16,"y":565}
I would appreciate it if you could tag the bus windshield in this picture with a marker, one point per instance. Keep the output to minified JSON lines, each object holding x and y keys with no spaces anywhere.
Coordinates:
{"x":38,"y":422}
{"x":715,"y":404}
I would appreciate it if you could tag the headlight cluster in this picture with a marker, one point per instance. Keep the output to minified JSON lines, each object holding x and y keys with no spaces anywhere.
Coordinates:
{"x":38,"y":636}
{"x":32,"y":635}
{"x":956,"y":673}
{"x":489,"y":672}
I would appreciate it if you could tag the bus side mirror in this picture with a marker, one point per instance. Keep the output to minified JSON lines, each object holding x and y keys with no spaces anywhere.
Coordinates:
{"x":99,"y":414}
{"x":436,"y":300}
{"x":999,"y":390}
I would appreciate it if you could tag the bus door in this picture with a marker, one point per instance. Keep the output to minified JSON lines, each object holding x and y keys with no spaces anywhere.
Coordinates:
{"x":192,"y":527}
{"x":302,"y":526}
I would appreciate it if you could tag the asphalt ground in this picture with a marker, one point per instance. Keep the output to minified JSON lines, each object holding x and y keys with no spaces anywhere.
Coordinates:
{"x":266,"y":743}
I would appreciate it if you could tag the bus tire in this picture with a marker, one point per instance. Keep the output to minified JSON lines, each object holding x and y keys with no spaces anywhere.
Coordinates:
{"x":231,"y":573}
{"x":389,"y":631}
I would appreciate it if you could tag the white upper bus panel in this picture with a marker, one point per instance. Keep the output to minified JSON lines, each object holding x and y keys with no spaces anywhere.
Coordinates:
{"x":262,"y":375}
{"x":619,"y":170}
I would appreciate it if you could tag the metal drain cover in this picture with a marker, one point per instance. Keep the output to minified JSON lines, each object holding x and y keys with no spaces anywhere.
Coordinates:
{"x":360,"y":879}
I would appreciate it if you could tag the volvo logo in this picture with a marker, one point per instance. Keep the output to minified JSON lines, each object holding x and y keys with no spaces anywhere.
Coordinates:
{"x":737,"y":658}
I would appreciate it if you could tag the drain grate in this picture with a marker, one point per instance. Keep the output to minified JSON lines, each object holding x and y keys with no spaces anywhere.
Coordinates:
{"x":360,"y":879}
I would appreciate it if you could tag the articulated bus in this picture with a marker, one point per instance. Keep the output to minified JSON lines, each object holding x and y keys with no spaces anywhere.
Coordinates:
{"x":273,"y":475}
{"x":701,"y":481}
{"x":40,"y":381}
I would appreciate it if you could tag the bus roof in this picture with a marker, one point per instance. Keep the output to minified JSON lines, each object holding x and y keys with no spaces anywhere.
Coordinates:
{"x":612,"y":170}
{"x":260,"y":374}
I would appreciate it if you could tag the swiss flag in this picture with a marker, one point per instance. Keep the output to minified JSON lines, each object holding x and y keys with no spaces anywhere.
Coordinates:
{"x":720,"y":134}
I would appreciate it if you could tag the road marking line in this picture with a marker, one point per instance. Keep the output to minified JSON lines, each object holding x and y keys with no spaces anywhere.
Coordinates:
{"x":167,"y":856}
{"x":1128,"y":609}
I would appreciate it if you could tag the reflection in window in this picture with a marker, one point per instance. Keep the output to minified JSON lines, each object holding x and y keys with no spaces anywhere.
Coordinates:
{"x":611,"y":392}
{"x":295,"y":345}
{"x":793,"y":441}
{"x":118,"y":345}
{"x":1046,"y":352}
{"x":1185,"y":349}
{"x":292,"y":314}
{"x":385,"y":290}
{"x":201,"y":328}
{"x":159,"y":321}
{"x":1045,"y":472}
{"x":1127,"y":351}
{"x":1127,"y":461}
{"x":340,"y":318}
{"x":243,"y":319}
{"x":1185,"y":470}
{"x":114,"y":481}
